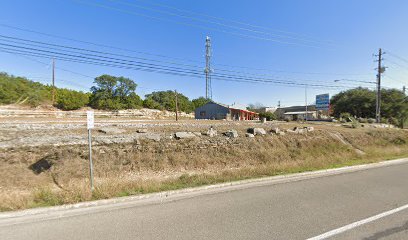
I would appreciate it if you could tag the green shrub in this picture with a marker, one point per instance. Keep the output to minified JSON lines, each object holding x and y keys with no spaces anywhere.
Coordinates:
{"x":152,"y":104}
{"x":345,"y":115}
{"x":166,"y":100}
{"x":198,"y":102}
{"x":268,"y":115}
{"x":362,"y":120}
{"x":70,"y":99}
{"x":18,"y":90}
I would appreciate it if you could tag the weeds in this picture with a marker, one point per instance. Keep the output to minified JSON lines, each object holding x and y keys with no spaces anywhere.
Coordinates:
{"x":149,"y":170}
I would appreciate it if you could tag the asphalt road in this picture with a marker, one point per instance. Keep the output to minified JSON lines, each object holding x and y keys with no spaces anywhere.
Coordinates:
{"x":294,"y":210}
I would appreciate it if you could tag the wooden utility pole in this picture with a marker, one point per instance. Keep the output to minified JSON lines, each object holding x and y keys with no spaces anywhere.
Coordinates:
{"x":53,"y":82}
{"x":176,"y":95}
{"x":306,"y":103}
{"x":380,"y":70}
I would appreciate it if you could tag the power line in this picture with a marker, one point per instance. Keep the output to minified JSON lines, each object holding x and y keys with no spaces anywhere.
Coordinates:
{"x":106,"y":55}
{"x":121,"y":55}
{"x":214,"y":22}
{"x":95,"y":59}
{"x":398,"y":65}
{"x":398,"y":57}
{"x":393,"y":79}
{"x":174,"y":58}
{"x":94,"y":44}
{"x":93,"y":51}
{"x":194,"y":25}
{"x":223,"y":19}
{"x":220,"y":78}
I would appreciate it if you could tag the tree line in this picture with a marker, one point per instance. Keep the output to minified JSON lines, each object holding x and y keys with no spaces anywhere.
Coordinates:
{"x":116,"y":93}
{"x":361,"y":103}
{"x":108,"y":93}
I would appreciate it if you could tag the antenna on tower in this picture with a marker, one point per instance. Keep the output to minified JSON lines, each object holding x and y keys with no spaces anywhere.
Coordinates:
{"x":208,"y":70}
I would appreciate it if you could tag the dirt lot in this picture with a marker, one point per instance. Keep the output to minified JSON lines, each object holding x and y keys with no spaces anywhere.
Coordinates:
{"x":44,"y":161}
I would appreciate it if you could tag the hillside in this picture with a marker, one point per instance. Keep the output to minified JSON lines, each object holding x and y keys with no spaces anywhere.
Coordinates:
{"x":19,"y":90}
{"x":22,"y":91}
{"x":45,"y":162}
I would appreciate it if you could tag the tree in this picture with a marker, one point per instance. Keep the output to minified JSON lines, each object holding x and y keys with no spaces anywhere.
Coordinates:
{"x":255,"y":106}
{"x":152,"y":104}
{"x":19,"y":90}
{"x":71,"y":100}
{"x":114,"y":93}
{"x":166,"y":100}
{"x":361,"y":103}
{"x":198,"y":102}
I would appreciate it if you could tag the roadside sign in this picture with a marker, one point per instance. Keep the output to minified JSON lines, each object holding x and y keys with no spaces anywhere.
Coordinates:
{"x":323,"y":102}
{"x":90,"y":119}
{"x":90,"y":125}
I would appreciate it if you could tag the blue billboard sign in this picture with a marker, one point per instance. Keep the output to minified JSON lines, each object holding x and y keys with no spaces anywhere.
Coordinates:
{"x":323,"y":102}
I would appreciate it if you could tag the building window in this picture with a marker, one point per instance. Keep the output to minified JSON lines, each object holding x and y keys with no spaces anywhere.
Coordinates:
{"x":202,"y":113}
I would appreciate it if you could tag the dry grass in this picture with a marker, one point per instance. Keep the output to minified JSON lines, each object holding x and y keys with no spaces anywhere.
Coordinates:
{"x":128,"y":169}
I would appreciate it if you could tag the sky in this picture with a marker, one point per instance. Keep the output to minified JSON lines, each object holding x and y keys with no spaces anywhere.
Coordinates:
{"x":293,"y":49}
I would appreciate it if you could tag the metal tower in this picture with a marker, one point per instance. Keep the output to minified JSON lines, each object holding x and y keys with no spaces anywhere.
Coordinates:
{"x":208,"y":70}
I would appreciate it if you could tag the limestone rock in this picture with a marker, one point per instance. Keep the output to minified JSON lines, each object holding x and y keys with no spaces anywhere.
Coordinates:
{"x":111,"y":130}
{"x":257,"y":131}
{"x":211,"y":132}
{"x":275,"y":130}
{"x":250,"y":135}
{"x":231,"y":133}
{"x":183,"y":135}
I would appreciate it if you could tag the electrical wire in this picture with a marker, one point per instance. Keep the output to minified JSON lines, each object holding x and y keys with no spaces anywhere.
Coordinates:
{"x":173,"y":58}
{"x":103,"y":61}
{"x":220,"y":78}
{"x":105,"y":55}
{"x":194,"y":25}
{"x":214,"y":22}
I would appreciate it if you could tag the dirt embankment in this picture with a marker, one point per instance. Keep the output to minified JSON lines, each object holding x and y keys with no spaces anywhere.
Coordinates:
{"x":47,"y":163}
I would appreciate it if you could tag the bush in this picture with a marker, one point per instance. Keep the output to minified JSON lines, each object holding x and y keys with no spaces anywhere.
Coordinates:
{"x":394,"y":121}
{"x":362,"y":120}
{"x":268,"y":115}
{"x":198,"y":102}
{"x":152,"y":104}
{"x":71,"y":100}
{"x":345,"y":115}
{"x":18,"y":90}
{"x":166,"y":100}
{"x":133,"y":101}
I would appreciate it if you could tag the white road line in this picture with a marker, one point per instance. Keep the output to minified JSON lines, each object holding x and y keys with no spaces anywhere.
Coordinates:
{"x":358,"y":223}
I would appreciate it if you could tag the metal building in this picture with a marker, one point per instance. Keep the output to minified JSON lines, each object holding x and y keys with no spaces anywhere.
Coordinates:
{"x":218,"y":111}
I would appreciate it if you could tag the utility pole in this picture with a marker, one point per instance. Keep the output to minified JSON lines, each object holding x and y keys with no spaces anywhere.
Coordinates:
{"x":208,"y":70}
{"x":403,"y":89}
{"x":53,"y":82}
{"x":176,"y":95}
{"x":279,"y":104}
{"x":306,"y":102}
{"x":380,"y":70}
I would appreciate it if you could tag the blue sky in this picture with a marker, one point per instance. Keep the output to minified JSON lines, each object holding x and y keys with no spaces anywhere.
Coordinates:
{"x":306,"y":42}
